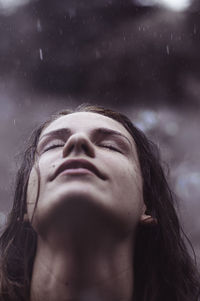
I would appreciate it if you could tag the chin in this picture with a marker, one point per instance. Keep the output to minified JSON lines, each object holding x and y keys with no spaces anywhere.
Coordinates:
{"x":71,"y":209}
{"x":55,"y":202}
{"x":79,"y":211}
{"x":77,"y":190}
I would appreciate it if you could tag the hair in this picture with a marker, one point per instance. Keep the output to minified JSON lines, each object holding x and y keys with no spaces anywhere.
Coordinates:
{"x":163,"y":268}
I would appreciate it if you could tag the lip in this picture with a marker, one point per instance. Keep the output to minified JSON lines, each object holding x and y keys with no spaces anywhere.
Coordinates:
{"x":78,"y":166}
{"x":76,"y":171}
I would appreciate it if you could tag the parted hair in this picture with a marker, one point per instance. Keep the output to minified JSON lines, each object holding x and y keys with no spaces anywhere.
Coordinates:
{"x":163,"y":268}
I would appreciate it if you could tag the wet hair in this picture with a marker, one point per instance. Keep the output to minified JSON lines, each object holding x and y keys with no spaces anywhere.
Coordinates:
{"x":163,"y":268}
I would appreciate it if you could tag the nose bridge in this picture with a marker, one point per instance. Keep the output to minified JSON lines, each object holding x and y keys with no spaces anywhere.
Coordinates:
{"x":79,"y":143}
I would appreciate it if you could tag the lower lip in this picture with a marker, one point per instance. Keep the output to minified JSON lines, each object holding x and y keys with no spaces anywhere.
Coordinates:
{"x":77,"y":171}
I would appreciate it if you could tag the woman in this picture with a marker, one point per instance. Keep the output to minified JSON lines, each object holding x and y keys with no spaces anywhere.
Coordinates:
{"x":93,"y":217}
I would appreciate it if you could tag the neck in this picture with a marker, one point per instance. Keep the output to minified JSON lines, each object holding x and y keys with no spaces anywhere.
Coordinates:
{"x":102,"y":271}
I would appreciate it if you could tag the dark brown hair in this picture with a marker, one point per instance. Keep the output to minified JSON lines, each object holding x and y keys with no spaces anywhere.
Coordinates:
{"x":162,"y":266}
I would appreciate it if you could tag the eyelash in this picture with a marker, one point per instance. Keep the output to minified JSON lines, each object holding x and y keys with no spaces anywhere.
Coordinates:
{"x":110,"y":147}
{"x":53,"y":146}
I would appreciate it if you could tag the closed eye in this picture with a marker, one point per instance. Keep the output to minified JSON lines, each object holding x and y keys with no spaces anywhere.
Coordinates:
{"x":53,"y":146}
{"x":109,"y":146}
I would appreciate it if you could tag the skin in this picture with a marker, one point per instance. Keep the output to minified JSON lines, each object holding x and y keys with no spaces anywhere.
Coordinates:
{"x":85,"y":224}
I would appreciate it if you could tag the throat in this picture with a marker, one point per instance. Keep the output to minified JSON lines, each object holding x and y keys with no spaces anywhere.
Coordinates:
{"x":69,"y":274}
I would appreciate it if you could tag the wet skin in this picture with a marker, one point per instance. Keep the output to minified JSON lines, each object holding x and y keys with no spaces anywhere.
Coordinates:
{"x":90,"y":203}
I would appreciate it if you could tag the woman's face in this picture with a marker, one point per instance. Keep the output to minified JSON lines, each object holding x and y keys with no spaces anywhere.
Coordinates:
{"x":86,"y":158}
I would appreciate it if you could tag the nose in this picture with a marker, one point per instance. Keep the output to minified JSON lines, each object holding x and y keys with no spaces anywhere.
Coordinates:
{"x":79,"y":144}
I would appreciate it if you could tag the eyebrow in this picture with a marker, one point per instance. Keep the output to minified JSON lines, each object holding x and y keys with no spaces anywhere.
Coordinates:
{"x":67,"y":132}
{"x":57,"y":133}
{"x":106,"y":131}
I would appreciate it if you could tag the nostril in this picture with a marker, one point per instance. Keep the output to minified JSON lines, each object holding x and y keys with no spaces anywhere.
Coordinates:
{"x":85,"y":147}
{"x":77,"y":144}
{"x":68,"y":150}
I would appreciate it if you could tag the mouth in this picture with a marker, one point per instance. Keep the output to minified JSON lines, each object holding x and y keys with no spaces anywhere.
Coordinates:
{"x":78,"y":166}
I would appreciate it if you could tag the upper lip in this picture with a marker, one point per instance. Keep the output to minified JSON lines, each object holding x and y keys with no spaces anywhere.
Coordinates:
{"x":78,"y":163}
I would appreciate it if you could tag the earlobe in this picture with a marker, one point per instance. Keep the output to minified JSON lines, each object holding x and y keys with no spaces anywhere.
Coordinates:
{"x":146,"y":219}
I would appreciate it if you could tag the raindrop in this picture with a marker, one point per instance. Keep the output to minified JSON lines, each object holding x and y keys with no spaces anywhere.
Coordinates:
{"x":167,"y":49}
{"x":195,"y":29}
{"x":41,"y":54}
{"x":39,"y":26}
{"x":72,"y":12}
{"x":97,"y":54}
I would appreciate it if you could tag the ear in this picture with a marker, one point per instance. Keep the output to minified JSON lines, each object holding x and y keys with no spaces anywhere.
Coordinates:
{"x":147,"y":219}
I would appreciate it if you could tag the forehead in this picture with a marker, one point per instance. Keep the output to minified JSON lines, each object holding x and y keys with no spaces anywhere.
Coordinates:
{"x":84,"y":122}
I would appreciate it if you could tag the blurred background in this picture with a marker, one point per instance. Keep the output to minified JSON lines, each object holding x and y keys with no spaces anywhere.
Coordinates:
{"x":137,"y":56}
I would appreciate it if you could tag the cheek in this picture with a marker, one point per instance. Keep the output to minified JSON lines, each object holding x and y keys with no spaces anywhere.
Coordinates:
{"x":127,"y":183}
{"x":127,"y":172}
{"x":47,"y":165}
{"x":32,"y":192}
